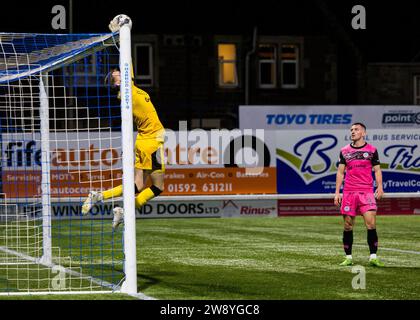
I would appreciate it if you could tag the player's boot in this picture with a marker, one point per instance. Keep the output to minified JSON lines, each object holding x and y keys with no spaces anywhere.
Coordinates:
{"x":376,"y":263}
{"x":91,"y":200}
{"x":118,"y":217}
{"x":347,"y":262}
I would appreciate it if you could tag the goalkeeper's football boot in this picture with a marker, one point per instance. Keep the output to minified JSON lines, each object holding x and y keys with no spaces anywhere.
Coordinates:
{"x":118,"y":217}
{"x":91,"y":200}
{"x":376,"y":263}
{"x":347,"y":262}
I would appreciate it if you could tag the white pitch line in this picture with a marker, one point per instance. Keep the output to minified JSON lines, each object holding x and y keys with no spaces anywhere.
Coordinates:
{"x":116,"y":288}
{"x":392,"y":249}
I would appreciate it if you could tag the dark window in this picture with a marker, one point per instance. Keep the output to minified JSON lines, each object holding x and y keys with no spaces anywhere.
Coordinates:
{"x":289,"y":66}
{"x":416,"y":89}
{"x":144,"y":64}
{"x":267,"y":66}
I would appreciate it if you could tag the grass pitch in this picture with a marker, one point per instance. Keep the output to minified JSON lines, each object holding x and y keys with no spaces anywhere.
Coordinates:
{"x":271,"y":259}
{"x":275,"y":258}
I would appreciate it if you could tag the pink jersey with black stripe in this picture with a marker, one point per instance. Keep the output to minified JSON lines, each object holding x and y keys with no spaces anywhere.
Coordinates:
{"x":359,"y":162}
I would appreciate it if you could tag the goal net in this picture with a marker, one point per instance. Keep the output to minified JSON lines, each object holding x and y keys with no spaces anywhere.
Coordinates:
{"x":60,"y":138}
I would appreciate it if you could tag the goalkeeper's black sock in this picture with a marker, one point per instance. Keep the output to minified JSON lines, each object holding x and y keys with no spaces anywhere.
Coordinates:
{"x":372,"y":239}
{"x":348,"y":241}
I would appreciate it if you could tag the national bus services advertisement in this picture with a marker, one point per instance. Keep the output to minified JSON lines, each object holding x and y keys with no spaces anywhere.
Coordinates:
{"x":307,"y":160}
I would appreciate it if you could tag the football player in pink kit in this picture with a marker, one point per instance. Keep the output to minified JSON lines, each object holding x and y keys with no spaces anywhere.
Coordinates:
{"x":355,"y":168}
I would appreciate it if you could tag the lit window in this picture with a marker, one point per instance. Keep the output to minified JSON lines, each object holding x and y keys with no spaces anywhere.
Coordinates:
{"x":227,"y":65}
{"x":144,"y":64}
{"x":267,"y":66}
{"x":417,"y":89}
{"x":289,"y":66}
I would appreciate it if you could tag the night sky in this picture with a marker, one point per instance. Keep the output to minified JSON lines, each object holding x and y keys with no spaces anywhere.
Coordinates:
{"x":392,"y":34}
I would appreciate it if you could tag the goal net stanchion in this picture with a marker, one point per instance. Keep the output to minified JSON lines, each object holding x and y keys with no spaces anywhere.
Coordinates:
{"x":48,"y":155}
{"x":44,"y":115}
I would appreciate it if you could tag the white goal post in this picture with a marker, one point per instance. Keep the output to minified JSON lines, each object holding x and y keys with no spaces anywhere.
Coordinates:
{"x":130,"y":283}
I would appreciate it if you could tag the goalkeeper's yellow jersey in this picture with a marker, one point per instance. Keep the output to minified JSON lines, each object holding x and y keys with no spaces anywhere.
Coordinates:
{"x":145,"y":116}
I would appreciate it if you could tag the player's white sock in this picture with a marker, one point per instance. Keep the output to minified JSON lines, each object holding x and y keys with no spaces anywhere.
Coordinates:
{"x":373,"y":256}
{"x":349,"y":256}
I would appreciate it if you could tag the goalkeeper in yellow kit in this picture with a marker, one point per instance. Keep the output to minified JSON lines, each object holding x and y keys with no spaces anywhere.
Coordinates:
{"x":148,"y":151}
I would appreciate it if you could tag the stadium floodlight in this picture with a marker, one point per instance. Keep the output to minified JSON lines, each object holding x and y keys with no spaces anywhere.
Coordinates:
{"x":61,"y":132}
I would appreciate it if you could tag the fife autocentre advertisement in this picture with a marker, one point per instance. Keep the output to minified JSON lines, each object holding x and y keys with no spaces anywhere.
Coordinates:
{"x":197,"y":162}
